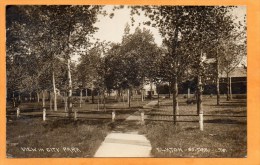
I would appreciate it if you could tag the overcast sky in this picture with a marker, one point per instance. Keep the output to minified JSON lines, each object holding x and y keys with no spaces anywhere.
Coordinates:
{"x":113,"y":29}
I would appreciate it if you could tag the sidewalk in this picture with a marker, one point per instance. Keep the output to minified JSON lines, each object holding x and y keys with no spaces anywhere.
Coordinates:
{"x":125,"y":142}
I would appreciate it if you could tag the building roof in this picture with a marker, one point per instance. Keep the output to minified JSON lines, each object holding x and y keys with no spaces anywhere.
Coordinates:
{"x":237,"y":72}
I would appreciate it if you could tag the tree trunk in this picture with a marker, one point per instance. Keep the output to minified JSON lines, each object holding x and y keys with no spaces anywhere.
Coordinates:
{"x":51,"y":103}
{"x":43,"y":98}
{"x":228,"y":89}
{"x":158,"y":100}
{"x":54,"y":92}
{"x":30,"y":96}
{"x":170,"y":85}
{"x":13,"y":100}
{"x":98,"y":102}
{"x":92,"y":96}
{"x":143,"y":91}
{"x":80,"y":101}
{"x":65,"y":102}
{"x":142,"y":94}
{"x":217,"y":81}
{"x":38,"y":97}
{"x":70,"y":90}
{"x":104,"y":101}
{"x":128,"y":98}
{"x":19,"y":97}
{"x":199,"y":96}
{"x":175,"y":101}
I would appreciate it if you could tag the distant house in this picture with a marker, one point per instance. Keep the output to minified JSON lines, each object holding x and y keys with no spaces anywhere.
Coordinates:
{"x":238,"y":79}
{"x":150,"y":89}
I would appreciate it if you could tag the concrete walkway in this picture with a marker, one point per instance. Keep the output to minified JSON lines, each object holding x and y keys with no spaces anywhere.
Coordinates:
{"x":125,"y":141}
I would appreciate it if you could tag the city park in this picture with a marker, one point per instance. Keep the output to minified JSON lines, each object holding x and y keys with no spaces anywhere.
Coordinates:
{"x":179,"y":95}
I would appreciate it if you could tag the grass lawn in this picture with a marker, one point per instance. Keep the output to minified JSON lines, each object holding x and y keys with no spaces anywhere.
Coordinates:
{"x":80,"y":138}
{"x":30,"y":137}
{"x":222,"y":136}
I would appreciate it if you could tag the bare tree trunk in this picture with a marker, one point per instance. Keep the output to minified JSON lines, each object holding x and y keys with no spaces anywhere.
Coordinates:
{"x":158,"y":99}
{"x":175,"y":101}
{"x":19,"y":97}
{"x":98,"y":102}
{"x":38,"y":97}
{"x":199,"y":95}
{"x":13,"y":100}
{"x":217,"y":81}
{"x":30,"y":97}
{"x":43,"y":98}
{"x":142,"y":92}
{"x":228,"y":89}
{"x":80,"y":101}
{"x":54,"y":92}
{"x":65,"y":102}
{"x":170,"y":85}
{"x":92,"y":94}
{"x":104,"y":101}
{"x":128,"y":98}
{"x":51,"y":103}
{"x":70,"y":90}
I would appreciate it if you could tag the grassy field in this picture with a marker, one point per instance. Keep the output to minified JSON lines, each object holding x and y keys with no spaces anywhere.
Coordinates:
{"x":58,"y":138}
{"x":30,"y":136}
{"x":224,"y":135}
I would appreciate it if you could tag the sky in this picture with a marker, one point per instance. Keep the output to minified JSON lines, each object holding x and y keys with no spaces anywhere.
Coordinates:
{"x":113,"y":29}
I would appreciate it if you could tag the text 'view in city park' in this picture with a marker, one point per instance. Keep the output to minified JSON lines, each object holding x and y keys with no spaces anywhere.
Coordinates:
{"x":126,"y":81}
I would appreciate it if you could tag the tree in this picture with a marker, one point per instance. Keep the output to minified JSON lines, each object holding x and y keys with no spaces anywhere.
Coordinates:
{"x":188,"y":32}
{"x":131,"y":63}
{"x":233,"y":54}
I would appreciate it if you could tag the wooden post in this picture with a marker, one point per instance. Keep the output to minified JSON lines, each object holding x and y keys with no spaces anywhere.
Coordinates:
{"x":142,"y":117}
{"x":75,"y":114}
{"x":18,"y":112}
{"x":201,"y":121}
{"x":113,"y":115}
{"x":44,"y":114}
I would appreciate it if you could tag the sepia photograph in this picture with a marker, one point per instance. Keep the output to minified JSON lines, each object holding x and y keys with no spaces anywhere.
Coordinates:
{"x":146,"y":81}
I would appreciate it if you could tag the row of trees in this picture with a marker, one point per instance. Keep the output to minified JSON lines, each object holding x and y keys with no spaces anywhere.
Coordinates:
{"x":40,"y":43}
{"x":42,"y":39}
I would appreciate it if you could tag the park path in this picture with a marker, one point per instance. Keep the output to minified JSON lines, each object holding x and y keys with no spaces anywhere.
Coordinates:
{"x":125,"y":141}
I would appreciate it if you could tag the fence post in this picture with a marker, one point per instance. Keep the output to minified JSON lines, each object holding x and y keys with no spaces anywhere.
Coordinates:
{"x":113,"y":116}
{"x":44,"y":114}
{"x":75,"y":114}
{"x":142,"y":117}
{"x":18,"y":112}
{"x":201,"y":121}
